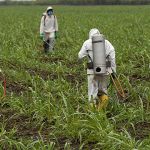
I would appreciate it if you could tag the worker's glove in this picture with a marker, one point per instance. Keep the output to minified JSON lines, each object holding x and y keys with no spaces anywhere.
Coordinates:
{"x":41,"y":36}
{"x":56,"y":34}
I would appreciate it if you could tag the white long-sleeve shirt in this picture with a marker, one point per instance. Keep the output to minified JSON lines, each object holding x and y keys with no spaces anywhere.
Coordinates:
{"x":48,"y":24}
{"x":87,"y":50}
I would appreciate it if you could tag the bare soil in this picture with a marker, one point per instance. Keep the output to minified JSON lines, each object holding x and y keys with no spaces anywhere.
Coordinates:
{"x":140,"y":131}
{"x":26,"y":127}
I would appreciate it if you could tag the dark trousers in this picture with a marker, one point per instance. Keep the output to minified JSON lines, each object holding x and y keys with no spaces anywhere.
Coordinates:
{"x":46,"y":45}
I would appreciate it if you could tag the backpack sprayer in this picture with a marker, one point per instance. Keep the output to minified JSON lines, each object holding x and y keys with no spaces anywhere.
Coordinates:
{"x":100,"y":64}
{"x":99,"y":54}
{"x":4,"y":84}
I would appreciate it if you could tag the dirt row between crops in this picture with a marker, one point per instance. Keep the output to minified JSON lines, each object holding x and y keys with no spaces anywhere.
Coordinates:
{"x":28,"y":128}
{"x":136,"y":77}
{"x":19,"y":86}
{"x":47,"y":75}
{"x":138,"y":130}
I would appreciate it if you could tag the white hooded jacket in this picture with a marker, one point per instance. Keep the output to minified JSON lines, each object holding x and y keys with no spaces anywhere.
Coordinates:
{"x":49,"y":24}
{"x":87,"y":50}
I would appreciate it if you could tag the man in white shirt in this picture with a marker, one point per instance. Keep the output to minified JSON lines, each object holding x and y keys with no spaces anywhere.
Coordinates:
{"x":48,"y":29}
{"x":97,"y":84}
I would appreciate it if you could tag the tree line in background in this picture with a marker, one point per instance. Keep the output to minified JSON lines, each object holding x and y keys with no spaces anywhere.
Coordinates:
{"x":83,"y":2}
{"x":96,"y":2}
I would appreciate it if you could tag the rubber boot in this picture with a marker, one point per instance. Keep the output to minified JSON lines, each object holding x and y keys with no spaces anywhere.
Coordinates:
{"x":103,"y":102}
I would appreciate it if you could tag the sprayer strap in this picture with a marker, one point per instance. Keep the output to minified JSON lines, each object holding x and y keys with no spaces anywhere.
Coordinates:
{"x":89,"y":57}
{"x":97,"y":41}
{"x":44,"y":19}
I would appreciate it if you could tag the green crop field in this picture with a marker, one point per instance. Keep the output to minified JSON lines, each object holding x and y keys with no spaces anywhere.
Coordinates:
{"x":46,"y":106}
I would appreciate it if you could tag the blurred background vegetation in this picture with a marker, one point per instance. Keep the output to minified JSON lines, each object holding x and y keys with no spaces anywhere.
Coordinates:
{"x":77,"y":2}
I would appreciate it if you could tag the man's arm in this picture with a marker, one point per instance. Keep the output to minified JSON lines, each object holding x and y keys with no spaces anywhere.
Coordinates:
{"x":83,"y":51}
{"x":42,"y":25}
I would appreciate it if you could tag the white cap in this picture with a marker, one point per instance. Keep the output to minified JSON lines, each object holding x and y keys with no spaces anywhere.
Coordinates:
{"x":49,"y":8}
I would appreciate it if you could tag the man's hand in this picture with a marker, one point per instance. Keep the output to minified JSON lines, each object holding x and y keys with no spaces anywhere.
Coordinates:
{"x":41,"y":36}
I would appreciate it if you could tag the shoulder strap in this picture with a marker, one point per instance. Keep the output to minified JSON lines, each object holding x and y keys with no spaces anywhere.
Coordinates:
{"x":89,"y":56}
{"x":44,"y":19}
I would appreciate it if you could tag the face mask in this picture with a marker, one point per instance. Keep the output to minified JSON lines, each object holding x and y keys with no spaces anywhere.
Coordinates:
{"x":50,"y":12}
